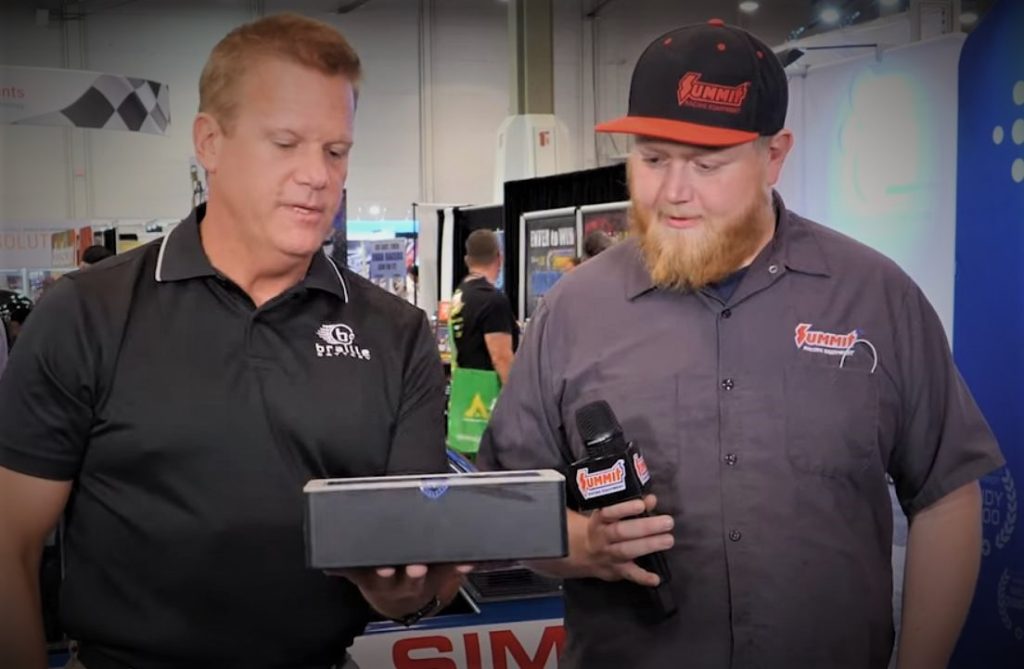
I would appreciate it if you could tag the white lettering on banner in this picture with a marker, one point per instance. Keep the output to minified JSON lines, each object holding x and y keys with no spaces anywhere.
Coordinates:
{"x":540,"y":239}
{"x":534,"y":644}
{"x":999,"y":511}
{"x":387,"y":258}
{"x":25,"y":248}
{"x":1010,"y":602}
{"x":567,"y":236}
{"x":24,"y":241}
{"x":993,"y":497}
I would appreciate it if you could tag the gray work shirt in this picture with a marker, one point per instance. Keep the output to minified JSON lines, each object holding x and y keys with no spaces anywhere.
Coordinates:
{"x":769,"y":454}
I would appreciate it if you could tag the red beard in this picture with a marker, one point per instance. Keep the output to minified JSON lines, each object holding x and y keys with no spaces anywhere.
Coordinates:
{"x":689,"y":259}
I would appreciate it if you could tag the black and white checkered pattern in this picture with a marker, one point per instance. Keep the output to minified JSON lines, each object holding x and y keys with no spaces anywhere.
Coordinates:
{"x":114,"y":102}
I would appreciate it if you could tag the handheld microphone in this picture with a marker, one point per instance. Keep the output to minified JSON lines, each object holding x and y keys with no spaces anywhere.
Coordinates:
{"x":614,"y":471}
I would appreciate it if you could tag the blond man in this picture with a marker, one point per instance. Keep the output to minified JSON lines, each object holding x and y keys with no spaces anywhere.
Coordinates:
{"x":172,"y":401}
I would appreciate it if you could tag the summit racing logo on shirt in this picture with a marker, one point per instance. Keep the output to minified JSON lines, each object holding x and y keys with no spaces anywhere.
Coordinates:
{"x":829,"y":343}
{"x":603,"y":481}
{"x":339,"y":342}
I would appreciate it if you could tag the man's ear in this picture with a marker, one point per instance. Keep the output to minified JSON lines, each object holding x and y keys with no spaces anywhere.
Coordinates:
{"x":778,"y":149}
{"x":207,"y":136}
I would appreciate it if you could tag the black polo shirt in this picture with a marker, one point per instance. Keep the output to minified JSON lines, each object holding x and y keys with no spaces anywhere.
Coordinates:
{"x":190,"y":420}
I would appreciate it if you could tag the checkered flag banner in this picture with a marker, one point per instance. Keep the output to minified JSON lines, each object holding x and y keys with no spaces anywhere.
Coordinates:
{"x":77,"y":99}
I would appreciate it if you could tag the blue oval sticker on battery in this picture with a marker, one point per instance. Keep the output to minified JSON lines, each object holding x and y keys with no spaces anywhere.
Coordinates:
{"x":434,"y":489}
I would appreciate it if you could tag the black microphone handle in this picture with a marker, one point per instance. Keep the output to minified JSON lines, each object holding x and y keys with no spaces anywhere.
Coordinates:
{"x":661,"y":595}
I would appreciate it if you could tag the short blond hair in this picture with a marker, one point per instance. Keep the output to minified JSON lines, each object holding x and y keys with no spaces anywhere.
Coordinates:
{"x":288,"y":36}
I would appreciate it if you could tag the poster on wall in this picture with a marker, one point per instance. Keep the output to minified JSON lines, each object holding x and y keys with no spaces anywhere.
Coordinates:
{"x":549,"y":244}
{"x":610,"y":220}
{"x":82,"y":99}
{"x":387,"y":259}
{"x":384,"y":262}
{"x":83,"y":241}
{"x":988,"y":319}
{"x":500,"y":283}
{"x":63,"y":247}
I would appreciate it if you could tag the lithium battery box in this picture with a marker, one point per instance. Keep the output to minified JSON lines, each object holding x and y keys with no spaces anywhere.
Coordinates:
{"x":459,"y":518}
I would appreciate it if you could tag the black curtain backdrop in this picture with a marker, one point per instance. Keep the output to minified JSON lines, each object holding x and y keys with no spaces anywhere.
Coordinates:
{"x":596,"y":186}
{"x":440,"y":247}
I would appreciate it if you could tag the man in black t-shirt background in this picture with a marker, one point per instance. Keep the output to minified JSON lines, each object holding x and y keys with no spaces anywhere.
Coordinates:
{"x":483,"y":325}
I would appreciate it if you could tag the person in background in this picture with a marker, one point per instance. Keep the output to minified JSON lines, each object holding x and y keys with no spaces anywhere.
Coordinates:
{"x":772,"y":371}
{"x":94,"y":254}
{"x":413,"y":284}
{"x":187,"y":390}
{"x":483,"y":338}
{"x":14,"y":312}
{"x":595,"y":242}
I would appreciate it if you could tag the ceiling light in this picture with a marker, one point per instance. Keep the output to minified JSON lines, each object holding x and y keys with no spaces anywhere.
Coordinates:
{"x":749,"y":6}
{"x":829,"y":15}
{"x":968,"y":18}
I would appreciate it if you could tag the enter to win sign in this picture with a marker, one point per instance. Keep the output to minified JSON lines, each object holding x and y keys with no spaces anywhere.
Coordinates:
{"x":534,"y":644}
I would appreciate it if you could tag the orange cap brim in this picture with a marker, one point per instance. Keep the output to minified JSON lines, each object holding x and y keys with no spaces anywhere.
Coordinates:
{"x":677,"y":131}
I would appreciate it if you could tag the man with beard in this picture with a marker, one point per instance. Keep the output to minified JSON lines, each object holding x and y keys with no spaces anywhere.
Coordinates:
{"x":772,"y":372}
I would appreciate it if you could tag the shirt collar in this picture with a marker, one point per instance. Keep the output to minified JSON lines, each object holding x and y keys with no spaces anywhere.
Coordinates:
{"x":324,"y":274}
{"x":181,"y":251}
{"x":638,"y":278}
{"x":794,"y":246}
{"x":182,"y":257}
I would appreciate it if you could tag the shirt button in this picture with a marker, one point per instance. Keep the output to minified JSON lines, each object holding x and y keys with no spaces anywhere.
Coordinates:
{"x":730,"y":459}
{"x":735,"y":535}
{"x":727,"y":313}
{"x":773,"y":269}
{"x":728,"y":384}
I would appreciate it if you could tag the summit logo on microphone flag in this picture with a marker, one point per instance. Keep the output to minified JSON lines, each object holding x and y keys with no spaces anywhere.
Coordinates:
{"x":640,"y":465}
{"x":603,"y":481}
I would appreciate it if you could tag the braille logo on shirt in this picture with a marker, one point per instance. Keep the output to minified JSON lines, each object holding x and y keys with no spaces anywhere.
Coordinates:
{"x":816,"y":341}
{"x":340,"y":340}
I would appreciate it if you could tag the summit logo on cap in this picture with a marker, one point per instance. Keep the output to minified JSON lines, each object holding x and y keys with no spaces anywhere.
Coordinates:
{"x":703,"y":95}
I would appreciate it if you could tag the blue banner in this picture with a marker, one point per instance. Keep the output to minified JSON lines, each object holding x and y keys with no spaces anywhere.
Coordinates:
{"x":989,"y":315}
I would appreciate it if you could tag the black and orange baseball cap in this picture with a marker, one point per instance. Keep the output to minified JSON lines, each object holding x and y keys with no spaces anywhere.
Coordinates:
{"x":708,"y":84}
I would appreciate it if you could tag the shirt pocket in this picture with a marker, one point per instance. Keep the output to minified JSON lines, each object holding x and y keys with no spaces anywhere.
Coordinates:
{"x":831,"y":420}
{"x":647,"y":410}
